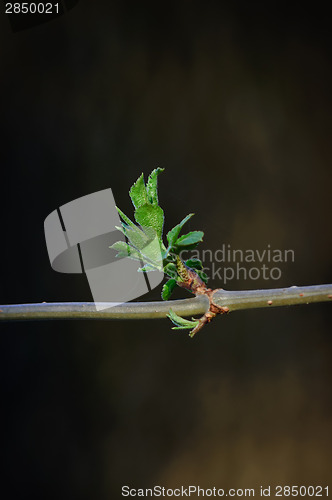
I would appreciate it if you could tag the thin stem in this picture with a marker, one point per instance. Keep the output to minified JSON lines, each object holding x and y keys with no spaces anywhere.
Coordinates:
{"x":88,"y":310}
{"x":185,"y":307}
{"x":249,"y":299}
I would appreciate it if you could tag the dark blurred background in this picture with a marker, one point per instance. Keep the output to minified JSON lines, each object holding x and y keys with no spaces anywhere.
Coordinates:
{"x":235,"y":103}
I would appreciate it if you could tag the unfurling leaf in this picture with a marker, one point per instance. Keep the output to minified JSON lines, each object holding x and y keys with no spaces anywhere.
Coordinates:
{"x":181,"y":323}
{"x":138,"y":193}
{"x":137,"y":238}
{"x":168,"y":289}
{"x":151,"y":216}
{"x":125,"y":250}
{"x":151,"y":253}
{"x":151,"y":185}
{"x":174,"y":233}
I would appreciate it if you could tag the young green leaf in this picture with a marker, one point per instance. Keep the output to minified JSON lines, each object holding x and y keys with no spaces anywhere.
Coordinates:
{"x":146,"y":242}
{"x":170,"y":270}
{"x":136,"y":237}
{"x":151,"y":216}
{"x":189,"y":239}
{"x":138,"y":193}
{"x":194,"y":263}
{"x":174,"y":233}
{"x":125,"y":218}
{"x":202,"y":275}
{"x":151,"y":253}
{"x":168,"y":289}
{"x":125,"y":250}
{"x":151,"y":185}
{"x":181,"y":323}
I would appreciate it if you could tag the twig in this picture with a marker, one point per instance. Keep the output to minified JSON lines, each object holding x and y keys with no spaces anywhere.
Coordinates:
{"x":231,"y":301}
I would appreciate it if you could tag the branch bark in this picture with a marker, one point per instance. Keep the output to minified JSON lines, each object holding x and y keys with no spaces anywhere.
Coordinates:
{"x":234,"y":301}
